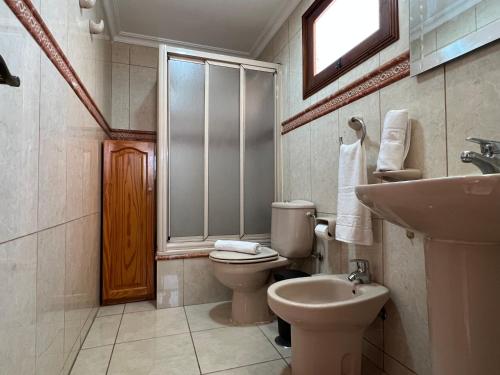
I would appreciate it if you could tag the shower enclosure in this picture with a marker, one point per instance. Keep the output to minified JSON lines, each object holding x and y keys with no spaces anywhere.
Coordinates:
{"x":218,"y":149}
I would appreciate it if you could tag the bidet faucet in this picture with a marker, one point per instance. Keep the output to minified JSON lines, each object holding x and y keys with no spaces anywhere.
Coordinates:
{"x":362,"y":273}
{"x":488,"y":161}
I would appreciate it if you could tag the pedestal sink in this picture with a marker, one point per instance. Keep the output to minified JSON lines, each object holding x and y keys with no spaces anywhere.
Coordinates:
{"x":460,"y":217}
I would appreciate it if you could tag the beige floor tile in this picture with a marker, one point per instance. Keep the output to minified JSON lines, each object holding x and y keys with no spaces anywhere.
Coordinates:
{"x":271,"y":331}
{"x":208,"y":316}
{"x":92,"y":361}
{"x":148,"y":324}
{"x":110,"y":310}
{"x":279,"y":367}
{"x":140,"y":306}
{"x":103,"y":331}
{"x":172,"y":355}
{"x":226,"y":348}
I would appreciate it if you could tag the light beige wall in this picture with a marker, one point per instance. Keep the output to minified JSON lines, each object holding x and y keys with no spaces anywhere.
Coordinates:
{"x":134,"y":87}
{"x":50,"y":162}
{"x":184,"y":282}
{"x":446,"y":105}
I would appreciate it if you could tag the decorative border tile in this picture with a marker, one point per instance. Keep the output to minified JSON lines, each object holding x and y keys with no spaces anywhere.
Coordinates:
{"x":385,"y":75}
{"x":26,"y":12}
{"x":133,"y":135}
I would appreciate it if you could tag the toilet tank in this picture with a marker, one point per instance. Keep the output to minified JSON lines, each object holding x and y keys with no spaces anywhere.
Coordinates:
{"x":292,"y":230}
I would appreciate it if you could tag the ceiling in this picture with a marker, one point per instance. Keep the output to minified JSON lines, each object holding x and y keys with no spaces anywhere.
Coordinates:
{"x":240,"y":27}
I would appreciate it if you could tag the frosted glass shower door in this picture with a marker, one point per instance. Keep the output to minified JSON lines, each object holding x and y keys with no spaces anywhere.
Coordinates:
{"x":186,"y":148}
{"x":224,"y":151}
{"x":259,"y":150}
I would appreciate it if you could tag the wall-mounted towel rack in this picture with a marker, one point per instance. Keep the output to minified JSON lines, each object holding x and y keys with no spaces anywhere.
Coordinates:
{"x":357,"y":123}
{"x":5,"y":77}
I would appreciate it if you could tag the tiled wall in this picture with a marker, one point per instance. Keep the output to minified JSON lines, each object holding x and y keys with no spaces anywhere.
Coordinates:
{"x":134,"y":87}
{"x":49,"y":192}
{"x":188,"y":282}
{"x":446,"y":105}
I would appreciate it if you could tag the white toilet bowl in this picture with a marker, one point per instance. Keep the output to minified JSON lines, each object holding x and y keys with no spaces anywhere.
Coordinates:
{"x":248,"y":278}
{"x":249,"y":275}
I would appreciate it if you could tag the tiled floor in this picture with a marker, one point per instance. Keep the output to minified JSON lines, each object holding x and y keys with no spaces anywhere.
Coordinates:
{"x":137,"y":339}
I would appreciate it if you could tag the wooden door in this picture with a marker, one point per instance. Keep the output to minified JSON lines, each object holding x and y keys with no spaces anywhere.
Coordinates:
{"x":128,"y":221}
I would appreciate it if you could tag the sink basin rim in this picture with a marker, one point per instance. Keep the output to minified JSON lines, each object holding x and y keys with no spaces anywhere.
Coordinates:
{"x":364,"y":292}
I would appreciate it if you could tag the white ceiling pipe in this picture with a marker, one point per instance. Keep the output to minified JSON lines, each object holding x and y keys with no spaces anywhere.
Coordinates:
{"x":87,"y":4}
{"x":96,"y":28}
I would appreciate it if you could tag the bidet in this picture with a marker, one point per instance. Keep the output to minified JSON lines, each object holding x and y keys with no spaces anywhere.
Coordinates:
{"x":328,"y":315}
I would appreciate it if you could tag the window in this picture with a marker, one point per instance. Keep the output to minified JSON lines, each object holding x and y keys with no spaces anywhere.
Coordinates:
{"x":340,"y":34}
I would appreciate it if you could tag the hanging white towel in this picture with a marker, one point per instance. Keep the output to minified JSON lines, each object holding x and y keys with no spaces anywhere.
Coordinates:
{"x":395,"y":141}
{"x":238,"y":246}
{"x":354,"y":222}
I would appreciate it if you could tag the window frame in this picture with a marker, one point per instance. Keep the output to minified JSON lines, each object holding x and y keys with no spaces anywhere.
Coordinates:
{"x":387,"y":34}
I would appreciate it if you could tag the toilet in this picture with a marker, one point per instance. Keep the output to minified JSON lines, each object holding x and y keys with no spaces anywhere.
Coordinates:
{"x":248,"y":276}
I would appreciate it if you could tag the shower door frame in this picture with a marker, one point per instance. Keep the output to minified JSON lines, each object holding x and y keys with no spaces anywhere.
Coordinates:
{"x":194,"y":245}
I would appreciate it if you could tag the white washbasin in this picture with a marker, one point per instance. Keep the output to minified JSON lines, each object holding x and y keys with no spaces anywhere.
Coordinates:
{"x":460,"y":217}
{"x":450,"y":208}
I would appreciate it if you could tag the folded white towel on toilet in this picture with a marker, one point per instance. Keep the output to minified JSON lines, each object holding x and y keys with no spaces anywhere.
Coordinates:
{"x":354,"y":221}
{"x":395,"y":141}
{"x":238,"y":246}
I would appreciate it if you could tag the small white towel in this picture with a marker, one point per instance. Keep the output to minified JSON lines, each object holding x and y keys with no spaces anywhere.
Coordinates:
{"x":395,"y":141}
{"x":354,"y":221}
{"x":238,"y":246}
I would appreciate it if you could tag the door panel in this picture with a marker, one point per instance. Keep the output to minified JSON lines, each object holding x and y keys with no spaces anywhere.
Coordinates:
{"x":128,"y":221}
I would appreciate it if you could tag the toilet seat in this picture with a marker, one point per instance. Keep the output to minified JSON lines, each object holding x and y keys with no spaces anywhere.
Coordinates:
{"x":266,"y":255}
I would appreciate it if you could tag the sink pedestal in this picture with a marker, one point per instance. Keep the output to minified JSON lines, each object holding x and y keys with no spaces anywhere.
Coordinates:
{"x":463,"y":283}
{"x":321,"y":352}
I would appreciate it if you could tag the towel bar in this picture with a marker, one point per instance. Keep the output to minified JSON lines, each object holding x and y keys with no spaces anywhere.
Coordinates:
{"x":356,"y":123}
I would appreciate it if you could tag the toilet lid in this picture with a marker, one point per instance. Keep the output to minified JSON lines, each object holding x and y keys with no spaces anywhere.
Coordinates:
{"x":266,"y":254}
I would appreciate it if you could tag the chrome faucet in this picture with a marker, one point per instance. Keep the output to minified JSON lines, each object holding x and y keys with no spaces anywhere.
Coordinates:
{"x":488,"y":161}
{"x":362,"y":273}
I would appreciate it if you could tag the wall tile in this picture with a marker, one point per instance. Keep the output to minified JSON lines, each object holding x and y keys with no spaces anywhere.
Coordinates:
{"x":169,"y":283}
{"x":299,"y":148}
{"x":91,"y":176}
{"x":369,"y":109}
{"x":18,"y":305}
{"x":284,"y":60}
{"x":143,"y":102}
{"x":200,"y":284}
{"x":324,"y":162}
{"x":120,"y":96}
{"x":144,"y":56}
{"x":424,"y":97}
{"x":285,"y":165}
{"x":74,"y":174}
{"x":297,"y":104}
{"x":359,"y":71}
{"x":120,"y":53}
{"x":406,"y":335}
{"x":19,"y":124}
{"x":280,"y":40}
{"x":52,"y":158}
{"x":371,"y":253}
{"x":74,"y":284}
{"x":295,"y":18}
{"x":476,"y":115}
{"x":50,"y":300}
